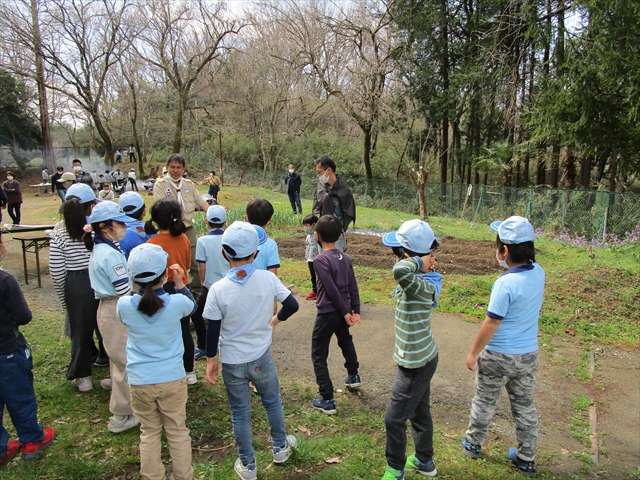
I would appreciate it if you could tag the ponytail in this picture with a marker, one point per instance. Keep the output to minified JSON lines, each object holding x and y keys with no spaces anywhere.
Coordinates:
{"x":150,"y":228}
{"x":150,"y":303}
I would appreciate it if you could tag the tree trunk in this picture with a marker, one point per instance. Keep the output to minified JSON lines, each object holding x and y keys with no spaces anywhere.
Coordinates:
{"x":177,"y":136}
{"x":585,"y":172}
{"x":48,"y":153}
{"x":568,"y":169}
{"x":444,"y":74}
{"x":613,"y":171}
{"x":104,"y":135}
{"x":366,"y":157}
{"x":554,"y":152}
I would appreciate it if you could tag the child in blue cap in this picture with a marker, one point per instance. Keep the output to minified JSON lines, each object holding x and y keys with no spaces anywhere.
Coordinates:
{"x":505,"y":351}
{"x":134,"y":208}
{"x":415,"y":351}
{"x":155,"y":369}
{"x":245,"y":330}
{"x":110,"y":280}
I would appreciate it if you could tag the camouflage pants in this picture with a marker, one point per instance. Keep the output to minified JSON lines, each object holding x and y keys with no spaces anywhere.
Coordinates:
{"x":518,"y":374}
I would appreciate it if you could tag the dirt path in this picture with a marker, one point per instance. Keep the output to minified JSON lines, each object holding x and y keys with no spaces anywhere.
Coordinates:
{"x":618,"y":402}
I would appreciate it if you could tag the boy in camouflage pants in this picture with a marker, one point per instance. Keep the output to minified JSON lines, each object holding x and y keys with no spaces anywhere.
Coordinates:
{"x":505,"y":351}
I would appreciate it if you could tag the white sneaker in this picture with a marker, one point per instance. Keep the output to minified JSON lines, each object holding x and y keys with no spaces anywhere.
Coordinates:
{"x":191,"y":378}
{"x":129,"y":421}
{"x":84,"y":383}
{"x":106,"y":383}
{"x":282,"y":454}
{"x":250,"y":472}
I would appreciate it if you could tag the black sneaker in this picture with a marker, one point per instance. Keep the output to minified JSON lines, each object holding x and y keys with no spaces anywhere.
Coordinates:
{"x":470,"y":449}
{"x":353,"y":381}
{"x":325,"y":406}
{"x":101,"y":361}
{"x":526,"y":468}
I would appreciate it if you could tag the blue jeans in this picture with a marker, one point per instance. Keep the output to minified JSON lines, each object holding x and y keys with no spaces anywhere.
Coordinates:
{"x":62,"y":194}
{"x":16,"y":392}
{"x":262,"y":372}
{"x":294,"y":199}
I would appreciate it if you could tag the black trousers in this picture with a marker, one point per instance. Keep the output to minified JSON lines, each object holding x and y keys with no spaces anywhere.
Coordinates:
{"x":187,"y":339}
{"x":312,"y":271}
{"x":198,"y":321}
{"x":82,"y":307}
{"x":409,"y":400}
{"x":327,"y":325}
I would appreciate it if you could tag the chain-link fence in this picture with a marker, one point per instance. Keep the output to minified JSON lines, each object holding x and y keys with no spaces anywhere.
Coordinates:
{"x":586,"y":213}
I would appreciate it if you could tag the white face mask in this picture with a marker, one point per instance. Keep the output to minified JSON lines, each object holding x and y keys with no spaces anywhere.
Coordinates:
{"x":503,"y":263}
{"x":324,"y":178}
{"x":119,"y":235}
{"x":309,"y":230}
{"x":9,"y":177}
{"x":77,"y":169}
{"x":291,"y":171}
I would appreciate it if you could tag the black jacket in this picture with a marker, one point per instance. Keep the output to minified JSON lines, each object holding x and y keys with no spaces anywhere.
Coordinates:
{"x":14,"y":311}
{"x":292,"y":182}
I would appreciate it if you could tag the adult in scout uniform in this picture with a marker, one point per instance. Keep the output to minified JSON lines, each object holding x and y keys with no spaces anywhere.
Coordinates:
{"x":184,"y":191}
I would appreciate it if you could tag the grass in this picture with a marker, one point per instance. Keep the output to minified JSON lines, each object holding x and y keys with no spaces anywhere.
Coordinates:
{"x":590,"y":298}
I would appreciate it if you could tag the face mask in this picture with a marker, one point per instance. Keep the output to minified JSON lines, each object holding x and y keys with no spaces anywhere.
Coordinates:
{"x":291,"y":171}
{"x":9,"y":177}
{"x":308,"y":231}
{"x":324,"y":178}
{"x":77,"y":169}
{"x":119,"y":235}
{"x":503,"y":263}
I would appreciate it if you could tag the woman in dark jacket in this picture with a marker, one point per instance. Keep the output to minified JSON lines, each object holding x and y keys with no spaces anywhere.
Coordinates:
{"x":14,"y":197}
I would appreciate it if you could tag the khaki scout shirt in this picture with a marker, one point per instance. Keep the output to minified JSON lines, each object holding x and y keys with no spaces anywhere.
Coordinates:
{"x":163,"y":188}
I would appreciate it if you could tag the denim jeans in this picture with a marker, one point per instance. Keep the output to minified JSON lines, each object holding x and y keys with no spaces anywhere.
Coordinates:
{"x":294,"y":199}
{"x":62,"y":194}
{"x":262,"y":372}
{"x":16,"y":392}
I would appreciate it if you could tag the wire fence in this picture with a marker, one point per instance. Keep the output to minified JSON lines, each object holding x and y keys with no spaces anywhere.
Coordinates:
{"x":588,"y":213}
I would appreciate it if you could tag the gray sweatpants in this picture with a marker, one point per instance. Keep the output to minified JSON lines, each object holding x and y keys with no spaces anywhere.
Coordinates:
{"x":518,"y":374}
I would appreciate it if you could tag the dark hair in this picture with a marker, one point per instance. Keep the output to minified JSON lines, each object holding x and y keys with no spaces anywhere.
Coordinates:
{"x":400,"y":251}
{"x":76,"y":160}
{"x":519,"y":252}
{"x":212,"y":172}
{"x":215,"y":225}
{"x":310,"y":219}
{"x":60,"y":168}
{"x":8,"y":172}
{"x":176,"y":157}
{"x":326,"y":162}
{"x":150,"y":302}
{"x":75,"y":216}
{"x":129,"y":211}
{"x":167,"y":214}
{"x":329,"y":228}
{"x":230,"y":251}
{"x":259,"y":212}
{"x":87,"y":238}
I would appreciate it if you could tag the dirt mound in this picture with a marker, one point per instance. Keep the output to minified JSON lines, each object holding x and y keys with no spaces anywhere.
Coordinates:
{"x":466,"y":257}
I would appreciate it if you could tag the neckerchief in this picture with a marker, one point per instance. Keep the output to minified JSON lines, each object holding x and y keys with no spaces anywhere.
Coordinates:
{"x":241,"y":274}
{"x":434,"y":278}
{"x":178,"y":187}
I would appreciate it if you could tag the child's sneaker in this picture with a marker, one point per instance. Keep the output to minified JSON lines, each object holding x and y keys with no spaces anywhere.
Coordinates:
{"x":84,"y":383}
{"x":191,"y":378}
{"x":199,"y":353}
{"x":13,"y":447}
{"x":392,"y":474}
{"x":250,"y":472}
{"x":106,"y":384}
{"x":312,"y":296}
{"x":117,"y":426}
{"x":31,"y":449}
{"x":353,"y":381}
{"x":427,"y":469}
{"x":325,"y":406}
{"x":470,"y":449}
{"x":526,"y":468}
{"x":282,"y":454}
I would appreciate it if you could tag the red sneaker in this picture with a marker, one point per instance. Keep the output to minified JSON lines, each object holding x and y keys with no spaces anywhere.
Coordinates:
{"x":311,"y":296}
{"x":13,"y":447}
{"x":31,"y":449}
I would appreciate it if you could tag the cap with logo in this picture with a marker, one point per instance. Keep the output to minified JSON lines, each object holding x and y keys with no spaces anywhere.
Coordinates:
{"x":147,"y":262}
{"x":82,"y":191}
{"x":415,"y":235}
{"x":514,"y":230}
{"x":107,"y":210}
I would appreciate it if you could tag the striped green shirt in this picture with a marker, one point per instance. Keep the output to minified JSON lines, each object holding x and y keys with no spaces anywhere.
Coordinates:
{"x":415,"y":345}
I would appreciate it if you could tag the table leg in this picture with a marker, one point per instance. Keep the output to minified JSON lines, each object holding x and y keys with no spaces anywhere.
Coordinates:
{"x":38,"y":263}
{"x":24,"y":262}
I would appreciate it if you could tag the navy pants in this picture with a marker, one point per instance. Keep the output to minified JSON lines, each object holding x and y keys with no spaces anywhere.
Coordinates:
{"x":16,"y":393}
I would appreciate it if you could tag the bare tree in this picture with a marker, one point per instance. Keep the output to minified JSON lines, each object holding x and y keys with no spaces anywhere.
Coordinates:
{"x":181,"y":39}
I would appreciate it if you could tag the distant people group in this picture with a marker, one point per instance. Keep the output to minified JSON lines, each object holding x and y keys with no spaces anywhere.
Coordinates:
{"x":131,"y":288}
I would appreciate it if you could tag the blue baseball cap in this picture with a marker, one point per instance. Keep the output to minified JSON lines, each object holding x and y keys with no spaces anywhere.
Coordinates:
{"x":82,"y":192}
{"x":216,"y":214}
{"x":107,"y":210}
{"x":147,"y":262}
{"x":131,"y":202}
{"x":514,"y":230}
{"x":415,"y":235}
{"x":242,"y":238}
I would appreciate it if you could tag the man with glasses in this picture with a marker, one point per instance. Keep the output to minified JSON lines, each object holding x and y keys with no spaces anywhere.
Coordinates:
{"x":333,"y":197}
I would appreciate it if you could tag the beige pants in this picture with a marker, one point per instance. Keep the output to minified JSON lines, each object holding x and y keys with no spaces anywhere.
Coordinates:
{"x":158,"y":405}
{"x":114,"y":337}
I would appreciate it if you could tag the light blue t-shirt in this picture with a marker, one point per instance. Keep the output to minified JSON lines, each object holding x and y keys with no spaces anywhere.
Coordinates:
{"x":268,"y":256}
{"x":154,"y":346}
{"x":516,"y":300}
{"x":208,"y":251}
{"x":246,"y":311}
{"x":107,"y":269}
